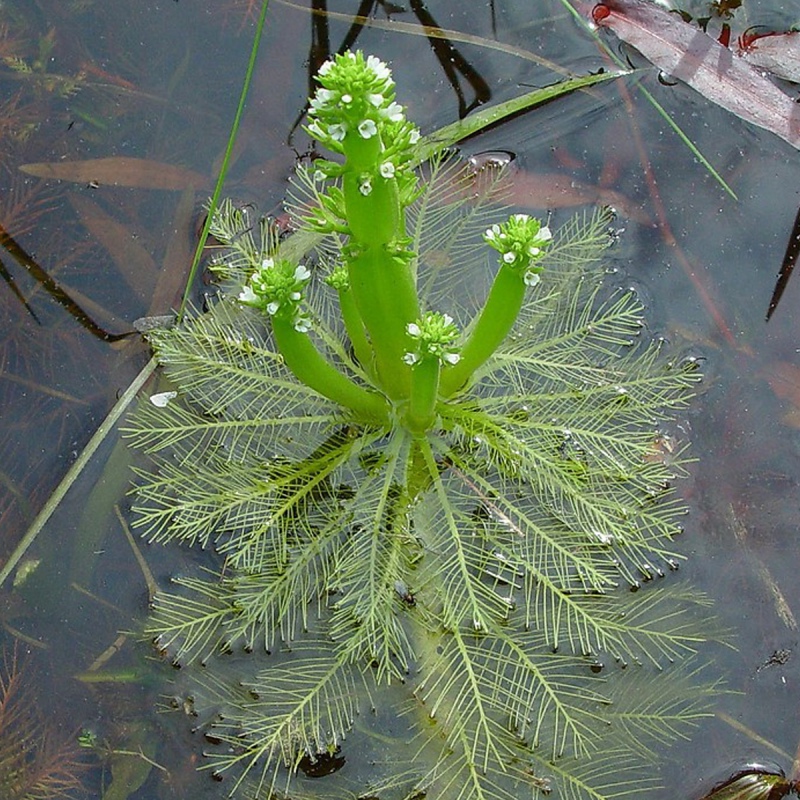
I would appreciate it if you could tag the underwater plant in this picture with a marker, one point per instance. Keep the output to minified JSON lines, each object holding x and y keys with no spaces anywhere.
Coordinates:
{"x":427,"y":482}
{"x":37,"y":761}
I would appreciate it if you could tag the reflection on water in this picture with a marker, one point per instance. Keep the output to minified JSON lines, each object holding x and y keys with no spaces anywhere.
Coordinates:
{"x":152,"y":85}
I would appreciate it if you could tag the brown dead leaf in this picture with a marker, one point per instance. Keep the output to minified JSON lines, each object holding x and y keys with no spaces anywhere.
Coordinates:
{"x":140,"y":173}
{"x":784,"y":379}
{"x":133,"y":260}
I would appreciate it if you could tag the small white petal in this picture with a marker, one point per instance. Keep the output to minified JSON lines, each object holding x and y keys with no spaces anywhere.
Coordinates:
{"x":521,"y":217}
{"x":247,"y":295}
{"x":162,"y":399}
{"x":393,"y":112}
{"x":325,"y":68}
{"x":301,"y":273}
{"x":316,"y":130}
{"x":272,"y":308}
{"x":414,"y":137}
{"x":365,"y":188}
{"x":531,"y":279}
{"x":375,"y":100}
{"x":347,"y":99}
{"x":387,"y":169}
{"x":451,"y":358}
{"x":367,"y":128}
{"x":412,"y":329}
{"x":268,"y":263}
{"x":380,"y":69}
{"x":411,"y":358}
{"x":302,"y":324}
{"x":448,"y":320}
{"x":545,"y":234}
{"x":337,"y":132}
{"x":295,"y":296}
{"x":509,"y":257}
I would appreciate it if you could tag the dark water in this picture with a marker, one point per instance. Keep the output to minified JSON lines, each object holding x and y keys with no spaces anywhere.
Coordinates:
{"x":83,"y":258}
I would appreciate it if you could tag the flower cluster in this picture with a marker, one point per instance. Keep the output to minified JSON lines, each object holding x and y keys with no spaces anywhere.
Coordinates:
{"x":356,"y":99}
{"x":355,"y":95}
{"x":434,"y":335}
{"x":277,"y":288}
{"x":521,"y":242}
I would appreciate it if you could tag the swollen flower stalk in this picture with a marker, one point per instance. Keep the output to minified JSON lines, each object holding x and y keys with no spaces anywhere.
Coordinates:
{"x":521,"y":243}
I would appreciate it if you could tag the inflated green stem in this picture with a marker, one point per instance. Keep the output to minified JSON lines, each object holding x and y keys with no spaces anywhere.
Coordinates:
{"x":354,"y":114}
{"x":497,"y":318}
{"x":433,"y":341}
{"x":521,"y":242}
{"x":424,"y":394}
{"x":384,"y":294}
{"x":354,"y":326}
{"x":308,"y":365}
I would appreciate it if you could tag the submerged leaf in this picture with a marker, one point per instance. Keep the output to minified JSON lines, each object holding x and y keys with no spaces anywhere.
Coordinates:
{"x":140,"y":173}
{"x":684,"y":52}
{"x":777,"y":52}
{"x":754,"y":783}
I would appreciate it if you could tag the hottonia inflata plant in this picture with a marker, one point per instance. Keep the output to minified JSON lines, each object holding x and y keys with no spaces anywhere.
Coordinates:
{"x":418,"y":476}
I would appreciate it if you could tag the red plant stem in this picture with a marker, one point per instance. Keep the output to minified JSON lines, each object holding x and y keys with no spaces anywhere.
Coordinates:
{"x":664,"y":227}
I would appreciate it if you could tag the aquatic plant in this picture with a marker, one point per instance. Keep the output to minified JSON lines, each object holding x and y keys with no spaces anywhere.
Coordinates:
{"x":37,"y":761}
{"x":422,"y":475}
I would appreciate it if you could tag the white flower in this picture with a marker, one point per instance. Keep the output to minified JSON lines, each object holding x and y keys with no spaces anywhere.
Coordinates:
{"x":272,"y":308}
{"x":325,"y":68}
{"x":492,"y":232}
{"x":247,"y":295}
{"x":544,"y":234}
{"x":365,"y":187}
{"x":521,"y":217}
{"x":380,"y":69}
{"x":393,"y":112}
{"x":302,"y":324}
{"x":387,"y":169}
{"x":268,"y":263}
{"x":337,"y":132}
{"x":315,"y":129}
{"x":531,"y":278}
{"x":411,"y":359}
{"x":413,"y":330}
{"x":414,"y":136}
{"x":447,"y":319}
{"x":509,"y":257}
{"x":451,"y":358}
{"x":301,"y":273}
{"x":375,"y":100}
{"x":295,"y":296}
{"x":367,"y":128}
{"x":319,"y":176}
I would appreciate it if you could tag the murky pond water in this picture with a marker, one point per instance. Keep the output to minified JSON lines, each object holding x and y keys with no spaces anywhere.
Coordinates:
{"x":89,"y":249}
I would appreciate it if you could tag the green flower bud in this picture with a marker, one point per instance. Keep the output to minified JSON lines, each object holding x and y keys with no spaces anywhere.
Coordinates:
{"x":355,"y":98}
{"x":521,"y":242}
{"x":277,"y":288}
{"x":434,"y":336}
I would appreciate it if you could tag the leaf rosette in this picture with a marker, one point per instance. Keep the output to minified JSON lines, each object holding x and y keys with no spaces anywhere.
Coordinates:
{"x":458,"y":535}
